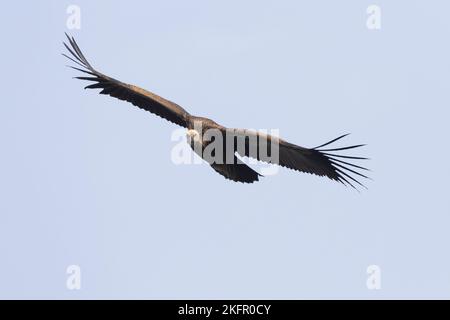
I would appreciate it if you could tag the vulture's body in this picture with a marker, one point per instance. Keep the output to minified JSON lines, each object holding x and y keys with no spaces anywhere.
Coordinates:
{"x":318,"y":161}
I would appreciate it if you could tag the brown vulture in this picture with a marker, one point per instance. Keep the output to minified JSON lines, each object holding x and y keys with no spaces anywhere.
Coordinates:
{"x":320,"y":161}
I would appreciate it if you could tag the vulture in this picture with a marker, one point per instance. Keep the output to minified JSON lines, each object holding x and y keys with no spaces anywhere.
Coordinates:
{"x":229,"y":143}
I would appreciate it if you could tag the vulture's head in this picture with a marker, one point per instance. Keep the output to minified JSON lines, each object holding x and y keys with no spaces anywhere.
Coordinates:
{"x":193,"y":137}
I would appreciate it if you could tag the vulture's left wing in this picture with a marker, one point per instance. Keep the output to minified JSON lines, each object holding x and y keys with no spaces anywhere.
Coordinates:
{"x":319,"y":160}
{"x":123,"y":91}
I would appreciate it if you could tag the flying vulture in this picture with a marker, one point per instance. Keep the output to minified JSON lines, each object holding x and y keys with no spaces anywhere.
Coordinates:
{"x":320,"y":161}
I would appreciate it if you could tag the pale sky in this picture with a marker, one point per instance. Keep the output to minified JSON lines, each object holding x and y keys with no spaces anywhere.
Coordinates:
{"x":88,"y":180}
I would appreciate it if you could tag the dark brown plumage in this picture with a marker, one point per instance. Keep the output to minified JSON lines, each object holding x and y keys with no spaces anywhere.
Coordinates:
{"x":318,"y":161}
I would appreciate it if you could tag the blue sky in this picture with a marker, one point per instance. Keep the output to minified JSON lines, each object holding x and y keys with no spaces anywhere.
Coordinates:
{"x":87,"y":180}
